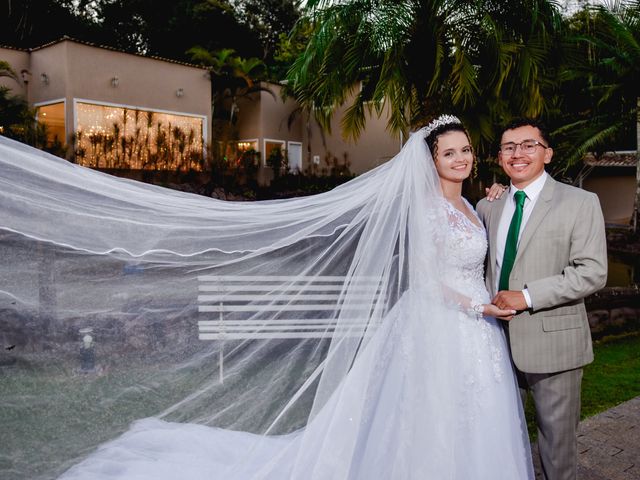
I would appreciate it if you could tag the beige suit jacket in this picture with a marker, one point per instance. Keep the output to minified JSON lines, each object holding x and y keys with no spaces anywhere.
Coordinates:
{"x":562,"y":258}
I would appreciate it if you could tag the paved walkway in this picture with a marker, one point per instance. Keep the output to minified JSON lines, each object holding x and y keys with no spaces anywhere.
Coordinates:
{"x":608,"y":444}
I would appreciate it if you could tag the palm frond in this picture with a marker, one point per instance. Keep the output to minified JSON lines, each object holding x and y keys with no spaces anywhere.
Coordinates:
{"x":6,"y":71}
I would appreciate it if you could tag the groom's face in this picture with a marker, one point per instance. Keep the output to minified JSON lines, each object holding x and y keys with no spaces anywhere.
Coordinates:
{"x":521,"y":165}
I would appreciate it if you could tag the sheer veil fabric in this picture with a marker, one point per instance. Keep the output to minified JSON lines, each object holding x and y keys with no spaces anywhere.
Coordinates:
{"x":391,"y":393}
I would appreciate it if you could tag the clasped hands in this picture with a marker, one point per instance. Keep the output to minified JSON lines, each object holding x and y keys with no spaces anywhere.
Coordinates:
{"x":505,"y":304}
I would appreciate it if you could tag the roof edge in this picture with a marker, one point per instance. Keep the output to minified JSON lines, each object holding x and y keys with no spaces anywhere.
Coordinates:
{"x":66,"y":38}
{"x":620,"y":158}
{"x":10,"y":47}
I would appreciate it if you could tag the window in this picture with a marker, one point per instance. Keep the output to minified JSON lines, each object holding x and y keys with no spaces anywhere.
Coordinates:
{"x":52,"y":117}
{"x":122,"y":137}
{"x":270,"y":146}
{"x":294,"y":154}
{"x":244,"y":145}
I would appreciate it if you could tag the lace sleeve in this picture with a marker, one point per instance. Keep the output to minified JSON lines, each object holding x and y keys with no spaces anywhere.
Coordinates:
{"x":458,"y":301}
{"x":463,"y":266}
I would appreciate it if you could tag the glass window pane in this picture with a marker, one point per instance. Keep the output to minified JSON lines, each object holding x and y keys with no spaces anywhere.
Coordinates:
{"x":118,"y":137}
{"x":270,"y":146}
{"x":52,"y":117}
{"x":245,"y":145}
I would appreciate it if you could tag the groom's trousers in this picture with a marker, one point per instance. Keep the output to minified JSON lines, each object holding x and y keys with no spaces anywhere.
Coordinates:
{"x":557,"y":401}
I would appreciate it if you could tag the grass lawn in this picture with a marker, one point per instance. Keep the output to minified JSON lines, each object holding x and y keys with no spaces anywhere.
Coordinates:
{"x":612,"y":378}
{"x":45,"y":403}
{"x":52,"y":415}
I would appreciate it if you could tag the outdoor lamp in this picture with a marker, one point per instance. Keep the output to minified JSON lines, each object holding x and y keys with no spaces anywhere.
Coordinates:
{"x":87,"y":350}
{"x":115,"y":81}
{"x":87,"y":340}
{"x":26,"y":75}
{"x":180,"y":92}
{"x":44,"y":78}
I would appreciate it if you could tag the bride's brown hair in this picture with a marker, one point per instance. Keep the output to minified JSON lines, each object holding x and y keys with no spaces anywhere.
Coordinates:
{"x":432,"y":137}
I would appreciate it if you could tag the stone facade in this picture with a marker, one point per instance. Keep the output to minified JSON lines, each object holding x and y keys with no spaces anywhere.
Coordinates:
{"x":614,"y":310}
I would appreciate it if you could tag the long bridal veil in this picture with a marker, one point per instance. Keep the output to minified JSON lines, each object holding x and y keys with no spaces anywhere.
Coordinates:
{"x":102,"y":288}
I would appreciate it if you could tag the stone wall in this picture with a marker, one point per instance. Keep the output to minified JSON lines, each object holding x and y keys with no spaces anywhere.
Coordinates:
{"x":614,"y":310}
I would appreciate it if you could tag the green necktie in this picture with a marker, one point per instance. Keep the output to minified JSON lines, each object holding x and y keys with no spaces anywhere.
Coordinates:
{"x":511,"y":247}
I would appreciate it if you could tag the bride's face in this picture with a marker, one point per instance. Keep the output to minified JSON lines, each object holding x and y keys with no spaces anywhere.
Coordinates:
{"x":454,"y":156}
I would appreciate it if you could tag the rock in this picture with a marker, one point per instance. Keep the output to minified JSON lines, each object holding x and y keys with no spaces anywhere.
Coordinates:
{"x":235,"y":198}
{"x":598,"y":319}
{"x":219,"y":194}
{"x":622,"y":316}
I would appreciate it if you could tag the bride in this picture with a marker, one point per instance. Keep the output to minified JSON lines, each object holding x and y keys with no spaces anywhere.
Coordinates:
{"x":424,"y":391}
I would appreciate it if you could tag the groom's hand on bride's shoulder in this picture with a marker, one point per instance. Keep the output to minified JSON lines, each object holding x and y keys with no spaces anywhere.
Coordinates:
{"x":510,"y":300}
{"x":495,"y":191}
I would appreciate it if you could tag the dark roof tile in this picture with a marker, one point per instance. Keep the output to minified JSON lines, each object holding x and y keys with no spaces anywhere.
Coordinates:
{"x":612,"y":159}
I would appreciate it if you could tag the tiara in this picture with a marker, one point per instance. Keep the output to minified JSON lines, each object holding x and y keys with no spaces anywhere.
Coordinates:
{"x":438,"y":122}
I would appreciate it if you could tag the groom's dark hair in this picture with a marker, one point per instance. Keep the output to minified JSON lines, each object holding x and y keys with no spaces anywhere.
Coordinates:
{"x":524,"y":122}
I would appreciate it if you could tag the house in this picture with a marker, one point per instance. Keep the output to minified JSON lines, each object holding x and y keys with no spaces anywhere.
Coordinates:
{"x":267,"y":121}
{"x":129,"y":111}
{"x":97,"y":97}
{"x":612,"y":176}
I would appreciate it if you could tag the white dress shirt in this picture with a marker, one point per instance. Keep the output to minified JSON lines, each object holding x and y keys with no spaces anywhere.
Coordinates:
{"x":533,"y":192}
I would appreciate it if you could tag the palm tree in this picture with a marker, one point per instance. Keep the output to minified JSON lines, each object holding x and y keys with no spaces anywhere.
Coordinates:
{"x":12,"y":108}
{"x":6,"y":71}
{"x":17,"y":119}
{"x":232,"y":77}
{"x":611,"y":35}
{"x":484,"y":60}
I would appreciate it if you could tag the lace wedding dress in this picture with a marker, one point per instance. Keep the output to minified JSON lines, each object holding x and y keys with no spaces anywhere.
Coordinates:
{"x":468,"y":422}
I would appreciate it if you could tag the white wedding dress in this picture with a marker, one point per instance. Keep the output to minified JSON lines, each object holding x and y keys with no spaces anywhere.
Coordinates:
{"x":440,"y":403}
{"x":419,"y":389}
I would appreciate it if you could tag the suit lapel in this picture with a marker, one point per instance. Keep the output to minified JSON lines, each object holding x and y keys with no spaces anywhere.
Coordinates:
{"x":542,"y":207}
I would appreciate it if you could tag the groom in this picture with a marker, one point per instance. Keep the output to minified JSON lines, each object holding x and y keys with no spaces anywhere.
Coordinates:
{"x":547,"y":251}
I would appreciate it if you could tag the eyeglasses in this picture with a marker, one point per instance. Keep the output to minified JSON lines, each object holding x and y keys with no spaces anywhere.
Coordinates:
{"x":527,"y":147}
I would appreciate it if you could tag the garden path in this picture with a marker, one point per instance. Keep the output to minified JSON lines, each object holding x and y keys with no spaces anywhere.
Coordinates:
{"x":608,"y":444}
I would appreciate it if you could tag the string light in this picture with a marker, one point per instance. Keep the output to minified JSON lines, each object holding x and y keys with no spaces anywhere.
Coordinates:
{"x":103,"y":122}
